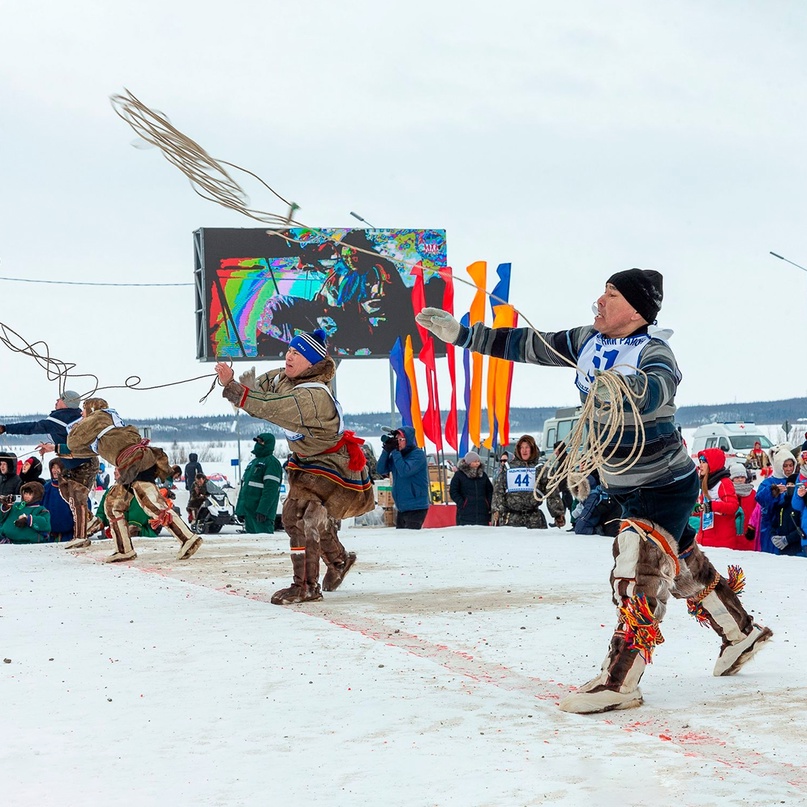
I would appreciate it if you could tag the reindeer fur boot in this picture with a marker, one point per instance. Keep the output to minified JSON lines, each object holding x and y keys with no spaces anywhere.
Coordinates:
{"x":302,"y":589}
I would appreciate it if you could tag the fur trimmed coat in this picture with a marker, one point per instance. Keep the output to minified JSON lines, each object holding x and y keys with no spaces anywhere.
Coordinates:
{"x":319,"y":467}
{"x":471,"y":490}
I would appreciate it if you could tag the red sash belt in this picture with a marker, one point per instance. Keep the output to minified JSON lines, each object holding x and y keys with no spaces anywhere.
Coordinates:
{"x":356,"y":458}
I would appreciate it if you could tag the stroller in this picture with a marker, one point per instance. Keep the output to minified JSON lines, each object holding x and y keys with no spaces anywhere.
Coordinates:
{"x":216,"y":511}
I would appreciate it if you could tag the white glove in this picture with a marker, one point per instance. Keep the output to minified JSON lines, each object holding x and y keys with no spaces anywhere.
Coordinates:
{"x":600,"y":388}
{"x":440,"y":323}
{"x":779,"y":541}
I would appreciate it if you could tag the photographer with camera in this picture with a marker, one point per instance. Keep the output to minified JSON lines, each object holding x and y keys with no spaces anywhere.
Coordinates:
{"x":409,"y":468}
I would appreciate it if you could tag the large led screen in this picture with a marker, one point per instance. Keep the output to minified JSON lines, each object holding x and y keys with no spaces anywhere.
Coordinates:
{"x":257,"y":288}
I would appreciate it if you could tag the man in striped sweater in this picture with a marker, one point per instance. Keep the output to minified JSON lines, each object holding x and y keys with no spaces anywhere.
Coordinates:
{"x":655,"y":553}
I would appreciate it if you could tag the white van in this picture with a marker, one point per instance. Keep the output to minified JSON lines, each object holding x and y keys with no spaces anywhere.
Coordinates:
{"x":736,"y":439}
{"x":559,"y":427}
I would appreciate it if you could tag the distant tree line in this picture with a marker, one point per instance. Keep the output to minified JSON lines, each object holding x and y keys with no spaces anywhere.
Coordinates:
{"x":219,"y":428}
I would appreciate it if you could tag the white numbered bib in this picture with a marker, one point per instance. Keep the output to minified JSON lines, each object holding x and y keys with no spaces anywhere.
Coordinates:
{"x":601,"y":353}
{"x":520,"y":480}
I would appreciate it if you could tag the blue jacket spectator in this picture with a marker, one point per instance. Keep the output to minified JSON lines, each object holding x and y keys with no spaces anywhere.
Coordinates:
{"x":61,"y":516}
{"x":409,"y":467}
{"x":778,"y":533}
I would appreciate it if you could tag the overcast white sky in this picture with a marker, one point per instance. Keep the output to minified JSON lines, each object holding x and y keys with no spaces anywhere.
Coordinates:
{"x":572,"y":139}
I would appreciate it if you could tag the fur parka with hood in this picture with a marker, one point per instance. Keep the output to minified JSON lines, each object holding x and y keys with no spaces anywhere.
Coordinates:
{"x":471,"y":490}
{"x":323,"y":465}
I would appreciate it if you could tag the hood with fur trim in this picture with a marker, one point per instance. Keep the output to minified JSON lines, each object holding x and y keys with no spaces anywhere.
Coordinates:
{"x":779,"y":456}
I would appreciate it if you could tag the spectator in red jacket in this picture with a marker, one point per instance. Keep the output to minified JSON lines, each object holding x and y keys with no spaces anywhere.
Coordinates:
{"x":717,"y":502}
{"x":748,"y":502}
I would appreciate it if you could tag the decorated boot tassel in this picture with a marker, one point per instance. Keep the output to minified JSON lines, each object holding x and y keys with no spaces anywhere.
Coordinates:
{"x":165,"y":518}
{"x":736,"y":579}
{"x":694,"y":607}
{"x":642,"y":632}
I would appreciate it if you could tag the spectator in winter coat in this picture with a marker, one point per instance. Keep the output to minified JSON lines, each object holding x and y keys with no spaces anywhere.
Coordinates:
{"x":799,"y":504}
{"x":9,"y":481}
{"x":192,"y":469}
{"x":775,"y":497}
{"x":260,"y":487}
{"x":197,"y":496}
{"x":597,"y":513}
{"x":31,"y":471}
{"x":61,"y":516}
{"x":514,"y":503}
{"x":406,"y":462}
{"x":25,"y":522}
{"x":748,"y":503}
{"x":717,"y":501}
{"x":472,"y":492}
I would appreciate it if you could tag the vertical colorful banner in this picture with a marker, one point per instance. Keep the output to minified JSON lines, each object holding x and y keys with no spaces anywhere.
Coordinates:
{"x":499,"y":371}
{"x":432,"y":425}
{"x":451,"y":418}
{"x":478,"y":273}
{"x":466,"y":369}
{"x":409,"y":369}
{"x":403,"y":386}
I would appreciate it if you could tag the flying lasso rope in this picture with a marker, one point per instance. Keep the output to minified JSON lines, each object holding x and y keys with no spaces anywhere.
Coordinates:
{"x":60,"y":371}
{"x":588,"y":444}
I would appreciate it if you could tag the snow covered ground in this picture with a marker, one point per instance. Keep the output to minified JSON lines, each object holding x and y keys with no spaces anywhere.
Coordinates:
{"x":431,"y":677}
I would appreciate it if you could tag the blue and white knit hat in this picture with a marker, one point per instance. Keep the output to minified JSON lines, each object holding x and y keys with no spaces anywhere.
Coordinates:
{"x":310,"y":345}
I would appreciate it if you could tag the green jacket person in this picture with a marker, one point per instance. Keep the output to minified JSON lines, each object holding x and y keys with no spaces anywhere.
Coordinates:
{"x":260,"y":487}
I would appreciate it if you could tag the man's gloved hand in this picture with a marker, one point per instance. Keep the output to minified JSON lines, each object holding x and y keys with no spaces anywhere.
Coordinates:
{"x":600,"y":388}
{"x":750,"y":533}
{"x":440,"y":323}
{"x":779,"y":541}
{"x":247,"y":378}
{"x":260,"y":518}
{"x":389,"y":442}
